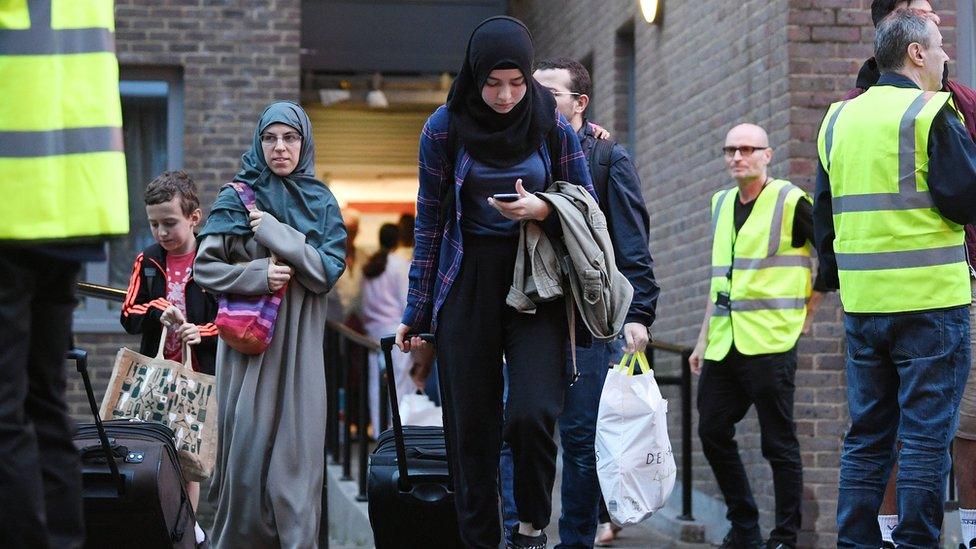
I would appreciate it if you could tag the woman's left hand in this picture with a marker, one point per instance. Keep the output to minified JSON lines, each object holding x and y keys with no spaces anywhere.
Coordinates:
{"x":255,"y":217}
{"x":528,"y":206}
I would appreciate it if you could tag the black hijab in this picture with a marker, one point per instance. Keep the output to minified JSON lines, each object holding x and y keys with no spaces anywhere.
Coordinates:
{"x":499,"y":140}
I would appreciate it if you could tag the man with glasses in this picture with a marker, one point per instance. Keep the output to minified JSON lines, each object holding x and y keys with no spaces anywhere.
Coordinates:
{"x":618,"y":189}
{"x":895,"y":184}
{"x":760,"y":302}
{"x":964,"y":445}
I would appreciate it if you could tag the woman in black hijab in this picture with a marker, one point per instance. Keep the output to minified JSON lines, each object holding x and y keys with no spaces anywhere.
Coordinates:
{"x":498,"y":135}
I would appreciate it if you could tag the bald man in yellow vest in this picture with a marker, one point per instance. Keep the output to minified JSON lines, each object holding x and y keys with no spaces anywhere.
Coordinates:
{"x":760,"y":301}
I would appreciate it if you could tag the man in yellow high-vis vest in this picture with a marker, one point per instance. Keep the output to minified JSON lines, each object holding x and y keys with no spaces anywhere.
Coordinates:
{"x":62,"y":191}
{"x":895,"y":184}
{"x":759,"y":303}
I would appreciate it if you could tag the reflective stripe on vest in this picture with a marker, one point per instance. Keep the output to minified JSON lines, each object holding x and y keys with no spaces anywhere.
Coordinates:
{"x":770,"y":279}
{"x":895,"y":252}
{"x":62,"y":167}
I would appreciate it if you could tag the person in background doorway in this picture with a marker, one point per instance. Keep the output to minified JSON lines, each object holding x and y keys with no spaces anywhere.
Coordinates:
{"x":384,"y":296}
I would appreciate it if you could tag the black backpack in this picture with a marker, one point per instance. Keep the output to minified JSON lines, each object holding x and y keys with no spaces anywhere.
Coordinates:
{"x":599,"y":163}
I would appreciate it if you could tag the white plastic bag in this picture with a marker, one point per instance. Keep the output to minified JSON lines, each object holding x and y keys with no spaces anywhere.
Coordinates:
{"x":633,"y":453}
{"x":417,"y":409}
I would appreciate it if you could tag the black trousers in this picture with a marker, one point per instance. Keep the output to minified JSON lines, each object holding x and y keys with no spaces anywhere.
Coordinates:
{"x":726,"y":390}
{"x":40,"y":476}
{"x":475,"y":329}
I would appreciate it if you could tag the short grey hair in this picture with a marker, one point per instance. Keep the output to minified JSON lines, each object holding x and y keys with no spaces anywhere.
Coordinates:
{"x":895,"y":33}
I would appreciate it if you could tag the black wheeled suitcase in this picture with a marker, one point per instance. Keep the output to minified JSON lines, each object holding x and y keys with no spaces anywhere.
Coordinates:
{"x":410,"y":487}
{"x":137,"y":497}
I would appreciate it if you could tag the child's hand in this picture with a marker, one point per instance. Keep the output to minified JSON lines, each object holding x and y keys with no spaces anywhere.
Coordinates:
{"x":278,"y":276}
{"x":172,"y":316}
{"x":190,"y":333}
{"x":255,"y":217}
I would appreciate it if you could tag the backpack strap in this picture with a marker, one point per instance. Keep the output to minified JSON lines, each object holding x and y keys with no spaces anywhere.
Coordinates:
{"x":599,"y":162}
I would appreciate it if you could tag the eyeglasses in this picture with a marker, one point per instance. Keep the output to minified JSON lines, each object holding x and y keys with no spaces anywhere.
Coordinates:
{"x":558,"y":93}
{"x":270,"y":140}
{"x":745,"y":150}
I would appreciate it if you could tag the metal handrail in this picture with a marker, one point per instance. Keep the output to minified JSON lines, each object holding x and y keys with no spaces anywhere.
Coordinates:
{"x":101,"y":292}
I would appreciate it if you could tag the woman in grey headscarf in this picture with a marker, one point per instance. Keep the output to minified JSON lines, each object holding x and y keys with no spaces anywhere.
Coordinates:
{"x":267,"y":484}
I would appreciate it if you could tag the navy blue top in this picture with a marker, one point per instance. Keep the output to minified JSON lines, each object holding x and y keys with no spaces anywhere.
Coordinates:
{"x":482,"y":219}
{"x":629,"y":226}
{"x":952,"y":180}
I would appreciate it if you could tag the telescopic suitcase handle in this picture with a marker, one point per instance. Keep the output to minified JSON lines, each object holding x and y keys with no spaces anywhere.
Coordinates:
{"x":387,"y":344}
{"x":81,"y":363}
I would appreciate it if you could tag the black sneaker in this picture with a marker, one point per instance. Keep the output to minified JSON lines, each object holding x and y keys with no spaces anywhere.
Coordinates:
{"x":521,"y":541}
{"x":889,"y":545}
{"x":775,"y":544}
{"x":738,"y":540}
{"x":972,"y":544}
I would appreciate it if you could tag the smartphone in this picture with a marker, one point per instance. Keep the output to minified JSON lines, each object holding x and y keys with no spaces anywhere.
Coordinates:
{"x":506,"y":197}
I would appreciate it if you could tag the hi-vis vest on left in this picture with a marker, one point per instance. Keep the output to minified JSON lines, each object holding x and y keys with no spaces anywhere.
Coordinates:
{"x":62,"y":169}
{"x":770,"y":279}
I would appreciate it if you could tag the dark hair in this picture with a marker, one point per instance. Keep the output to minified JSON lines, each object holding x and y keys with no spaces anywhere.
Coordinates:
{"x":881,"y":8}
{"x":579,"y":77}
{"x":406,"y":230}
{"x":895,"y":33}
{"x":389,"y":238}
{"x":170,"y":184}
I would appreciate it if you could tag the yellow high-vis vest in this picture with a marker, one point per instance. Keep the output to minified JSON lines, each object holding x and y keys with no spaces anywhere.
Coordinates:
{"x":766,"y":279}
{"x":895,"y":252}
{"x":62,"y":168}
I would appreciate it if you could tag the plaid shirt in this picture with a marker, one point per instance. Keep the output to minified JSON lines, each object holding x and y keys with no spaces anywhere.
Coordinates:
{"x":438,"y":250}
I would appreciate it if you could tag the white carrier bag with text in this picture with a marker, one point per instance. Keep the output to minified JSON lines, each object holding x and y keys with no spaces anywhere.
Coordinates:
{"x":633,"y":452}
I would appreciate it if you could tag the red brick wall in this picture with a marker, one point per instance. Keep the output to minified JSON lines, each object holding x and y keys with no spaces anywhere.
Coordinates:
{"x":710,"y":65}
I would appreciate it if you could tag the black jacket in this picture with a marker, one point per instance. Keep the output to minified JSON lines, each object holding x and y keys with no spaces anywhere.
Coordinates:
{"x":145,"y":302}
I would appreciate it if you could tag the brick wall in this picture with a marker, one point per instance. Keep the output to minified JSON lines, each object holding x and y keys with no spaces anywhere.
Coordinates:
{"x":710,"y":65}
{"x":235,"y":58}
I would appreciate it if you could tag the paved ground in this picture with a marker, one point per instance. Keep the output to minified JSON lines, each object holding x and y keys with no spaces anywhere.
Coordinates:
{"x":640,"y":536}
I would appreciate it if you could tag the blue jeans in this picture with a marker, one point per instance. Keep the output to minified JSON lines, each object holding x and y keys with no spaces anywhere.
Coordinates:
{"x":580,"y":490}
{"x":905,"y":378}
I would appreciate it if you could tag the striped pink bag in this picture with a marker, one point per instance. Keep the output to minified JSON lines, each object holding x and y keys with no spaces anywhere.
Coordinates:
{"x":247,"y":322}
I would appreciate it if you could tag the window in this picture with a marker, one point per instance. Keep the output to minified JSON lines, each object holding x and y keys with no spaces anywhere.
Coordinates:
{"x":625,"y":96}
{"x":152,"y":130}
